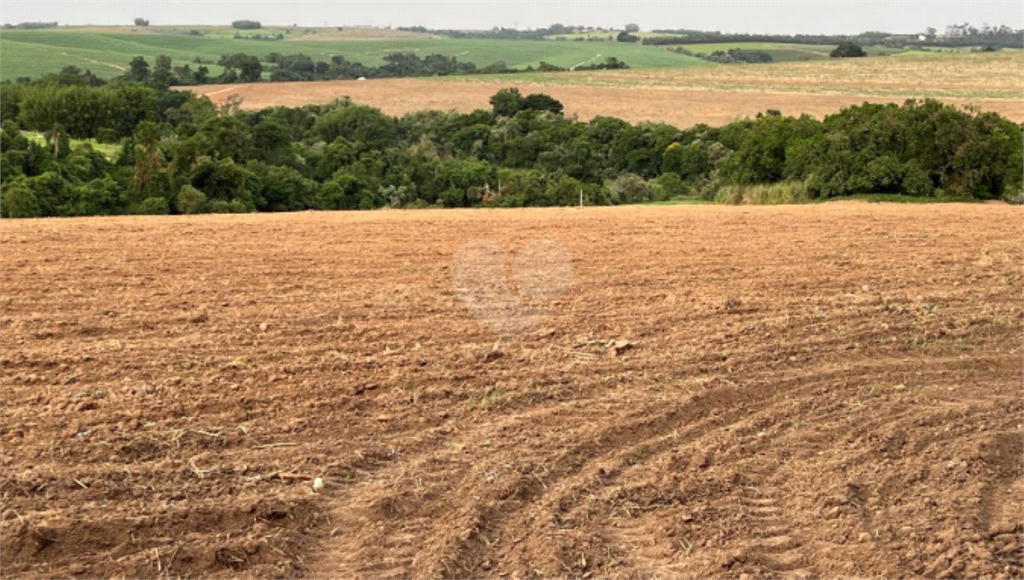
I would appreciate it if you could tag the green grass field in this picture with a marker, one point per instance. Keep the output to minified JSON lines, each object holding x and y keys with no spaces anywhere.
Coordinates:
{"x":31,"y":53}
{"x":109,"y":150}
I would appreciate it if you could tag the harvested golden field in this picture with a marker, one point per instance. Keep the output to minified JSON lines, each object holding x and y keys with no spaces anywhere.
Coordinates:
{"x":806,"y":391}
{"x":687,"y":96}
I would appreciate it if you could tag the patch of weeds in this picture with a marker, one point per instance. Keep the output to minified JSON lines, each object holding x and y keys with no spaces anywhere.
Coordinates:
{"x":493,"y":397}
{"x":640,"y":455}
{"x":238,"y":363}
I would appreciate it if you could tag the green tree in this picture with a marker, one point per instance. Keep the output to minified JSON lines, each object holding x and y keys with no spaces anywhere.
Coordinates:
{"x":190,"y":200}
{"x":162,"y":75}
{"x":138,"y":70}
{"x":58,"y":138}
{"x":153,"y":206}
{"x":283,"y":189}
{"x":103,"y":196}
{"x":506,"y":102}
{"x":250,"y":70}
{"x":542,"y":102}
{"x":848,"y":49}
{"x":18,"y":201}
{"x":272,"y":143}
{"x":225,"y":180}
{"x":628,"y":188}
{"x":149,"y":159}
{"x":359,"y":124}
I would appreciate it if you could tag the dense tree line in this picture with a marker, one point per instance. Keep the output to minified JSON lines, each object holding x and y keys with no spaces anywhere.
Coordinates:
{"x":30,"y":25}
{"x":501,"y":33}
{"x":705,"y":37}
{"x":244,"y":68}
{"x":733,"y":55}
{"x":967,"y":35}
{"x":955,"y":35}
{"x":179,"y":153}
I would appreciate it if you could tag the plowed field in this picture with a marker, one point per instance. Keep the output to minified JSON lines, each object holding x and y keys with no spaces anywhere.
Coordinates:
{"x":804,"y":391}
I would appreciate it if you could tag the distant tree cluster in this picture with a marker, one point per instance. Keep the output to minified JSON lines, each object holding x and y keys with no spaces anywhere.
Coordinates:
{"x":141,"y":22}
{"x":179,"y":153}
{"x":955,"y":35}
{"x":967,"y":35}
{"x":705,"y":37}
{"x":245,"y":68}
{"x":554,"y":30}
{"x":847,"y":50}
{"x":30,"y":25}
{"x":508,"y":102}
{"x":734,"y":55}
{"x":278,"y":36}
{"x":246,"y":24}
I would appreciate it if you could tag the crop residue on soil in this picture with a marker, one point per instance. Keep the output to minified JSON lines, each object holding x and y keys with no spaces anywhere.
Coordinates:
{"x":818,"y":391}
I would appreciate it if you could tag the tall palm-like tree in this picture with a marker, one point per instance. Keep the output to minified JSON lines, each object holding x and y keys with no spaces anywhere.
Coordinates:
{"x":57,"y":138}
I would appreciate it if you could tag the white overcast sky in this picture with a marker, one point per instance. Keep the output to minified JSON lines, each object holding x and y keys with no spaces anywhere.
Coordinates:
{"x":764,"y":16}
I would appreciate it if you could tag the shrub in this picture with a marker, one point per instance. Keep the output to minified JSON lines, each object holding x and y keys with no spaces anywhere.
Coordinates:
{"x":764,"y":194}
{"x":18,"y":201}
{"x":628,"y":188}
{"x":190,"y":200}
{"x":848,"y":49}
{"x":221,"y":206}
{"x":153,"y":206}
{"x":668,"y":186}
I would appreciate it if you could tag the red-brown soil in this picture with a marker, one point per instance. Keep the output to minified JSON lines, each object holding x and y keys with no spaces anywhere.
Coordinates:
{"x":808,"y":391}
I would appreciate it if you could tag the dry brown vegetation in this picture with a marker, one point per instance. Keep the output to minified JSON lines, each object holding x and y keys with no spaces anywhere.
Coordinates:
{"x":805,"y":391}
{"x":686,"y":96}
